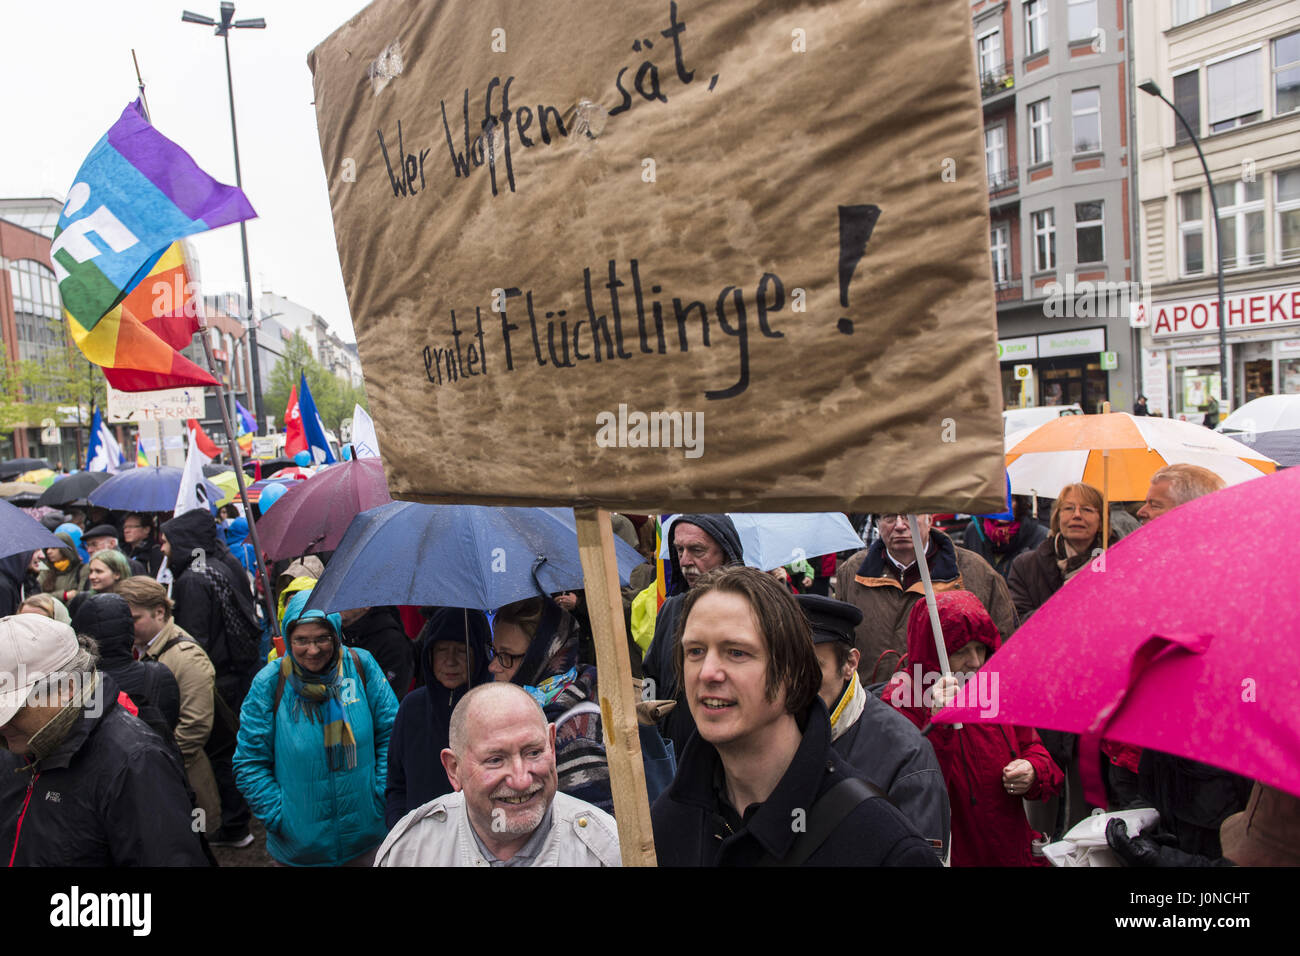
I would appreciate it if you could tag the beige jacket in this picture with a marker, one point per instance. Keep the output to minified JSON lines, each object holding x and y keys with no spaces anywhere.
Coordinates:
{"x":196,"y":679}
{"x":438,"y":834}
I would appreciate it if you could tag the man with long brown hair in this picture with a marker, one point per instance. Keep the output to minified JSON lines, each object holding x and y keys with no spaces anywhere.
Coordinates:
{"x":758,"y":783}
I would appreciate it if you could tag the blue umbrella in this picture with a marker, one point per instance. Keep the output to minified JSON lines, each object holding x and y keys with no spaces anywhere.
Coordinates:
{"x":775,"y":539}
{"x":456,"y":556}
{"x":145,"y":489}
{"x":20,"y":532}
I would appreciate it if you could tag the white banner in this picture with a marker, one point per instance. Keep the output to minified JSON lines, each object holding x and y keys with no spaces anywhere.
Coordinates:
{"x":365,"y":444}
{"x":169,"y":403}
{"x":193,"y":494}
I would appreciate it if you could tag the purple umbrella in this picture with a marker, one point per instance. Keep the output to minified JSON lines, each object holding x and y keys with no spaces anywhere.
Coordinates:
{"x":313,"y":515}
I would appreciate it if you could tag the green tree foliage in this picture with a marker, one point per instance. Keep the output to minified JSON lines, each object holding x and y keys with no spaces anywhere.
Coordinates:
{"x":334,"y":397}
{"x":31,"y":391}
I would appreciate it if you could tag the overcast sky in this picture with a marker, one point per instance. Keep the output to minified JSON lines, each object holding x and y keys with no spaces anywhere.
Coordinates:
{"x":67,"y":75}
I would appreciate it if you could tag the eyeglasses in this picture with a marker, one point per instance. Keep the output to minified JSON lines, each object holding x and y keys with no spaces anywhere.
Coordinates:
{"x":304,"y":642}
{"x":1078,"y":509}
{"x":507,"y":660}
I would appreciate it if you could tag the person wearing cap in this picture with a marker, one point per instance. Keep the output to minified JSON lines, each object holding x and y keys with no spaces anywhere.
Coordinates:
{"x":83,"y":782}
{"x":877,"y":741}
{"x":103,"y":537}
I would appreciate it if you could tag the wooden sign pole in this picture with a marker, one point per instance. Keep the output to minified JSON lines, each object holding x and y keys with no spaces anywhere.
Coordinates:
{"x":614,"y":675}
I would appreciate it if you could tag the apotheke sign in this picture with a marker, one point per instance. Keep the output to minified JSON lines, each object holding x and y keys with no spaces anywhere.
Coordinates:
{"x":1265,"y":308}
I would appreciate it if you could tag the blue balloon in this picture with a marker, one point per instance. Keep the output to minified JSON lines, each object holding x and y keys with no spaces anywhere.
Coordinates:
{"x":302,"y":459}
{"x":270,"y":495}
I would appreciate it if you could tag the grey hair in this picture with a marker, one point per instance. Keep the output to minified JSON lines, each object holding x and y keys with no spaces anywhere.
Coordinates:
{"x":458,"y":731}
{"x":1188,"y":481}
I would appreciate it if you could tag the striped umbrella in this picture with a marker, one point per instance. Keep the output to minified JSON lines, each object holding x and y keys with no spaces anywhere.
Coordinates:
{"x":1118,"y":453}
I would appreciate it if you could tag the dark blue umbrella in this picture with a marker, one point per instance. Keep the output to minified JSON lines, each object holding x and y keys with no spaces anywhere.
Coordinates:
{"x":145,"y":489}
{"x":19,"y":532}
{"x":456,"y":556}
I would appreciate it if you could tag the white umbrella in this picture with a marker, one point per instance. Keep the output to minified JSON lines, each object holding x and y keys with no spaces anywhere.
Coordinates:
{"x":774,"y":539}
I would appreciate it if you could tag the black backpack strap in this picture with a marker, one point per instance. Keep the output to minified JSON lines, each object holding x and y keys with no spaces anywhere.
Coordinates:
{"x":827,"y":813}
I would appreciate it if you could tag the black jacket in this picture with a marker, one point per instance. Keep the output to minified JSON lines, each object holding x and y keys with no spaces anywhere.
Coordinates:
{"x":690,"y":830}
{"x":149,"y":684}
{"x":380,"y":632}
{"x":148,"y":554}
{"x":13,"y":582}
{"x":210,"y":596}
{"x":1029,"y":535}
{"x":658,"y":663}
{"x":111,"y":795}
{"x":423,"y":724}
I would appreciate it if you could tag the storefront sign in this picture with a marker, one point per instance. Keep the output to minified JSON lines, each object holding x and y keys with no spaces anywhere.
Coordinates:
{"x":1109,"y":361}
{"x":1265,"y":308}
{"x":1017,"y":350}
{"x":1205,"y":355}
{"x":1071,"y":343}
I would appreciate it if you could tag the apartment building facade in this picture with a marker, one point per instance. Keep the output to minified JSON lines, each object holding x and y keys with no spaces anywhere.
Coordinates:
{"x":1055,"y":86}
{"x":1232,"y":67}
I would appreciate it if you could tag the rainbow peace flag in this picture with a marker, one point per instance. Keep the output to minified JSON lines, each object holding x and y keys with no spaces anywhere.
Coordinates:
{"x":135,"y":195}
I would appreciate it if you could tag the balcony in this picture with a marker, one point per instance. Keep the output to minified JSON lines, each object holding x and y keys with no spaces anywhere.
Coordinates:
{"x":1003,"y":180}
{"x":1008,"y":289}
{"x":997,"y":80}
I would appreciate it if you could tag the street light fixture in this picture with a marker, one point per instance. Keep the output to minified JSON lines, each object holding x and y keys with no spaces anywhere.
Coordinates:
{"x":1151,"y":89}
{"x":223,"y":28}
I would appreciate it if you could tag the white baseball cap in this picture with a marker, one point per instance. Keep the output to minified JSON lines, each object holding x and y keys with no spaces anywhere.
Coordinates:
{"x":32,"y":647}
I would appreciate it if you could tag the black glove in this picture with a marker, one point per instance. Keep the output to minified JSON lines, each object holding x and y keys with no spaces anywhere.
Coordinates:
{"x":1135,"y":851}
{"x":1158,"y":850}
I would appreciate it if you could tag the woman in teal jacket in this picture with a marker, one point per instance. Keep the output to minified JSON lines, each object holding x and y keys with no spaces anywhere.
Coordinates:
{"x":312,"y":757}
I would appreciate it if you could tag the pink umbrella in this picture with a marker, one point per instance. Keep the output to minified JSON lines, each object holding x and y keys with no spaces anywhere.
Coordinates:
{"x":1184,"y":637}
{"x":313,"y":515}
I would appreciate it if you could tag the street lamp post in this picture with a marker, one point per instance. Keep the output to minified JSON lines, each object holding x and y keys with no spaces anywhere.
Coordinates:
{"x":223,"y":28}
{"x":1150,"y":88}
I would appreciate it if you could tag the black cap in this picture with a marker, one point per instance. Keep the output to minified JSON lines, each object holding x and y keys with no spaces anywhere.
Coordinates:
{"x":831,"y":620}
{"x":101,"y":531}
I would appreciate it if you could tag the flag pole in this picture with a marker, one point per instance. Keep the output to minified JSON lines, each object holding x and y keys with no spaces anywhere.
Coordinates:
{"x":233,"y":447}
{"x":931,"y":604}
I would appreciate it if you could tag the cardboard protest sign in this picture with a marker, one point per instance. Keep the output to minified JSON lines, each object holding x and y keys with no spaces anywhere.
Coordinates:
{"x":663,"y":256}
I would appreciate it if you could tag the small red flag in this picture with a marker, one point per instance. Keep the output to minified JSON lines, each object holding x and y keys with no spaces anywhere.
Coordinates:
{"x":204,"y":443}
{"x":295,"y":436}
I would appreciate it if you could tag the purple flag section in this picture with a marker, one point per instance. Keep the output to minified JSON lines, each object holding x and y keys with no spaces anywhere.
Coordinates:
{"x":174,"y":173}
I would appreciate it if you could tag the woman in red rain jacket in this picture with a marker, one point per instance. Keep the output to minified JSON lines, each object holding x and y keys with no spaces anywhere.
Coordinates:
{"x":989,"y":768}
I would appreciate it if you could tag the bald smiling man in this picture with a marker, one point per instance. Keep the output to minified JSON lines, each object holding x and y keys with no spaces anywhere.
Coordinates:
{"x":505,"y":810}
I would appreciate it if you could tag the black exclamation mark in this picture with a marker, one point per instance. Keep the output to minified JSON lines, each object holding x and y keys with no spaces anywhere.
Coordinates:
{"x":856,"y":223}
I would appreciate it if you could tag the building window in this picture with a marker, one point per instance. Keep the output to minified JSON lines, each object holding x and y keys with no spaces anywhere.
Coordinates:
{"x":1040,"y":131}
{"x":1086,"y":107}
{"x":1089,"y":232}
{"x":1000,"y":246}
{"x":1288,"y":214}
{"x":1083,"y":19}
{"x":1044,"y":222}
{"x":1286,"y":74}
{"x":1233,"y":91}
{"x":995,"y":156}
{"x":1217,"y":5}
{"x":1191,"y":233}
{"x":990,"y":54}
{"x":1241,"y":223}
{"x":1186,"y":10}
{"x":1035,"y":26}
{"x":1187,"y":98}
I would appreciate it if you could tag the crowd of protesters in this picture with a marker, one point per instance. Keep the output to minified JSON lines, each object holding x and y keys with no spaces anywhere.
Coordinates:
{"x":152,"y":696}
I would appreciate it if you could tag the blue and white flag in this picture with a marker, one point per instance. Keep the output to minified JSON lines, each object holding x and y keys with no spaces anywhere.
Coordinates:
{"x":313,"y":427}
{"x":104,"y":453}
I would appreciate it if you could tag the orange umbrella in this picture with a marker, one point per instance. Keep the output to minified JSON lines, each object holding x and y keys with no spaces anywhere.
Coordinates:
{"x":1118,"y":453}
